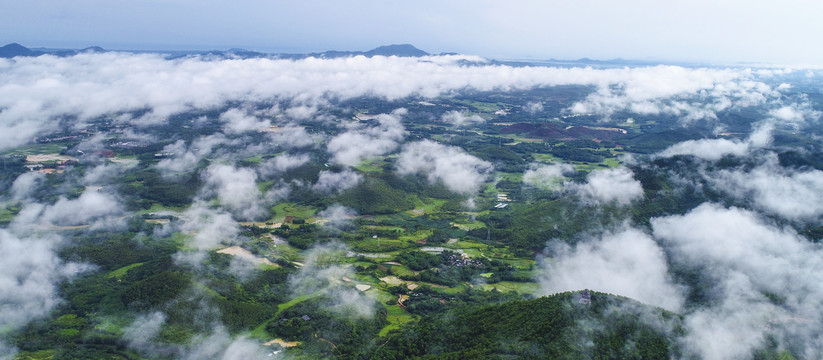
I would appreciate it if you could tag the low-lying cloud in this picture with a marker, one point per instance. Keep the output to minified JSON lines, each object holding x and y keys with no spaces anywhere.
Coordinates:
{"x":37,"y":92}
{"x":330,"y":182}
{"x":458,"y":171}
{"x":208,"y":226}
{"x":766,"y":280}
{"x":626,"y":262}
{"x":239,"y":121}
{"x":282,"y":163}
{"x":715,"y":149}
{"x":236,"y":188}
{"x":180,"y":158}
{"x":26,"y":185}
{"x":338,"y":216}
{"x":93,"y":208}
{"x":460,"y":118}
{"x":361,"y":142}
{"x":791,"y":194}
{"x":30,"y":272}
{"x":611,"y":186}
{"x":547,"y":177}
{"x":143,"y":335}
{"x":323,"y":274}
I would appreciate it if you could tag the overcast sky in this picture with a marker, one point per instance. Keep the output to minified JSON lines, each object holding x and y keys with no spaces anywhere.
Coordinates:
{"x":703,"y":30}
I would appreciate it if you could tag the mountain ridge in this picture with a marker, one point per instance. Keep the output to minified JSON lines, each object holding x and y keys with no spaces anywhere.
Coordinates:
{"x":401,"y":50}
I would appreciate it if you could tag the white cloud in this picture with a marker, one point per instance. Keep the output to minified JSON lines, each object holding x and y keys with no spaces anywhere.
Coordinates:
{"x":220,"y":345}
{"x":35,"y":91}
{"x":209,"y":227}
{"x":458,"y":171}
{"x":691,"y":94}
{"x":791,"y":194}
{"x":627,"y":262}
{"x":26,"y":184}
{"x":101,"y":174}
{"x":338,"y":216}
{"x":533,"y":107}
{"x":796,"y":113}
{"x":293,"y":137}
{"x":237,"y":190}
{"x":95,"y":208}
{"x":707,"y":149}
{"x":746,"y":258}
{"x":322,"y":274}
{"x":143,"y":331}
{"x":142,"y":335}
{"x":361,"y":142}
{"x":459,"y":118}
{"x":547,"y":176}
{"x":30,"y":272}
{"x":301,"y":112}
{"x":329,"y":181}
{"x":239,"y":121}
{"x":184,"y":159}
{"x":615,"y":185}
{"x":715,"y":149}
{"x":281,"y":164}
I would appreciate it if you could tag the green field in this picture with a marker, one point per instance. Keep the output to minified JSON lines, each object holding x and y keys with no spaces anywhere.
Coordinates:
{"x":35,"y":149}
{"x":292,"y":209}
{"x":523,"y":288}
{"x":397,"y":317}
{"x":123,"y":270}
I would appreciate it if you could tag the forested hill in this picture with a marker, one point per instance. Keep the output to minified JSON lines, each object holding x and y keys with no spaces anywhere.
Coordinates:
{"x":571,"y":325}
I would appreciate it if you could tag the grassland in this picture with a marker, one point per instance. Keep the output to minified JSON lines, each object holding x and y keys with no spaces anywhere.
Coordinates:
{"x":292,"y":209}
{"x":119,"y":273}
{"x":35,"y":149}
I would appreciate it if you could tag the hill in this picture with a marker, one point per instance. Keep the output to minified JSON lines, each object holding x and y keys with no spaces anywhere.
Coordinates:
{"x":15,"y":49}
{"x":570,"y":325}
{"x":396,"y":50}
{"x":401,"y":50}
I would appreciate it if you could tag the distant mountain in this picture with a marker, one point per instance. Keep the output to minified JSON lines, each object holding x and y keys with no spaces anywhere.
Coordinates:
{"x":15,"y":49}
{"x":397,"y":50}
{"x":93,"y":49}
{"x":402,"y":50}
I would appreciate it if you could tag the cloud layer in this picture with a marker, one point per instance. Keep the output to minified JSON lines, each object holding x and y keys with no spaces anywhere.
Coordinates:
{"x":36,"y":93}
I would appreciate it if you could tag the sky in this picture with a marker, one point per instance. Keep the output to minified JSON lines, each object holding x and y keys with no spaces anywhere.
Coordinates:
{"x":718,"y":31}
